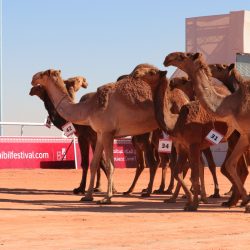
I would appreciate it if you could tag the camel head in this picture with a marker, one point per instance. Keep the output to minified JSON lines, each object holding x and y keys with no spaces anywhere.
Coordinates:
{"x":74,"y":84}
{"x":188,"y":62}
{"x":41,"y":78}
{"x":39,"y":91}
{"x":184,"y":84}
{"x":148,"y":73}
{"x":48,"y":78}
{"x":228,"y":74}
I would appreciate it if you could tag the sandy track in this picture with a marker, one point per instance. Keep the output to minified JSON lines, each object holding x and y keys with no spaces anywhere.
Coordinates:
{"x":38,"y":211}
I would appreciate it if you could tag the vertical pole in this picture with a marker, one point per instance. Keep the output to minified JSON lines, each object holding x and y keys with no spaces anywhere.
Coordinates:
{"x":1,"y":67}
{"x":75,"y":154}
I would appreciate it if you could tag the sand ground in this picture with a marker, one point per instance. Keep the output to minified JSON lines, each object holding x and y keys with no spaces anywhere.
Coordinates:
{"x":39,"y":211}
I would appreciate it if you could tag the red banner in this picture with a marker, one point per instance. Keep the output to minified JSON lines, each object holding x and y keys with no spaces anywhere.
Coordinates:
{"x":49,"y":152}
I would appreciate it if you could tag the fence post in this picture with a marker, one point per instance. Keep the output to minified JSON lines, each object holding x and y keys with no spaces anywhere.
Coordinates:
{"x":75,"y":153}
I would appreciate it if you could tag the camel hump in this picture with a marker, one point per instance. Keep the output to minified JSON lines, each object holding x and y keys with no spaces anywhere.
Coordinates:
{"x":103,"y":94}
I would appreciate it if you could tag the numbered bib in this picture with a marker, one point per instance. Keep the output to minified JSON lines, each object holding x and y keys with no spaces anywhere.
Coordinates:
{"x":48,"y":122}
{"x":165,"y":146}
{"x":68,"y":129}
{"x":214,"y":137}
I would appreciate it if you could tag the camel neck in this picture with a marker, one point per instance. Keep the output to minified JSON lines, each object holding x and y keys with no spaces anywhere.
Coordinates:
{"x":206,"y":93}
{"x":76,"y":113}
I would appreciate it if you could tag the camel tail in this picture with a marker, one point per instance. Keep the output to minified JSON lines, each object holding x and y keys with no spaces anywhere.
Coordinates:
{"x":159,"y":103}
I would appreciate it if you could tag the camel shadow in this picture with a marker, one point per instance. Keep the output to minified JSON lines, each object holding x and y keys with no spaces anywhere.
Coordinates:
{"x":153,"y":204}
{"x":25,"y":191}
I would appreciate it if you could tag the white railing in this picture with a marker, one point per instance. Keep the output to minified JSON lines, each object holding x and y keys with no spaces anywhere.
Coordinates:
{"x":38,"y":124}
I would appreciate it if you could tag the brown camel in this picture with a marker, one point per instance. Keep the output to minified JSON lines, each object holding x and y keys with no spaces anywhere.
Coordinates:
{"x":234,"y":108}
{"x":188,"y":130}
{"x":115,"y":110}
{"x":86,"y":135}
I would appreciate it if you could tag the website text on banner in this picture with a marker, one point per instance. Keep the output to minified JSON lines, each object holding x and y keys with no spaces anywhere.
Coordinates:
{"x":43,"y":152}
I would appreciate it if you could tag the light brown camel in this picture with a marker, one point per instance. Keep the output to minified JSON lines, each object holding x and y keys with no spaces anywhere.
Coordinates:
{"x":86,"y":135}
{"x":234,"y":108}
{"x":115,"y":110}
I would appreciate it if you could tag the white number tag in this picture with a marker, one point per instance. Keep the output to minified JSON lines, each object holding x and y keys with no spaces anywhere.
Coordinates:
{"x":48,"y":122}
{"x":68,"y":129}
{"x":165,"y":146}
{"x":214,"y":136}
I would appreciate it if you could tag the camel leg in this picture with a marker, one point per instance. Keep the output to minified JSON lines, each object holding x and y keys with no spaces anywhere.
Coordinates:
{"x":231,"y":167}
{"x":181,"y":160}
{"x":232,"y":140}
{"x":212,"y":167}
{"x":194,"y":157}
{"x":165,"y":158}
{"x":203,"y":188}
{"x":173,"y":160}
{"x":107,"y":140}
{"x":139,"y":168}
{"x":153,"y":166}
{"x":242,"y":171}
{"x":93,"y":168}
{"x":173,"y":198}
{"x":84,"y":149}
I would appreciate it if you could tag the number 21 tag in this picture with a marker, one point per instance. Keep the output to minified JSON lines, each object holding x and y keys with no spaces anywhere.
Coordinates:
{"x":68,"y":129}
{"x":214,"y":137}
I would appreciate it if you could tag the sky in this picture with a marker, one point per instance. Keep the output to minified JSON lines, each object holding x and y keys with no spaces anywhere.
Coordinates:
{"x":98,"y":39}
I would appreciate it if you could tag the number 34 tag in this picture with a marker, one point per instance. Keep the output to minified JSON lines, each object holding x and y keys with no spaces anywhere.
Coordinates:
{"x":68,"y":129}
{"x":165,"y":146}
{"x":214,"y":137}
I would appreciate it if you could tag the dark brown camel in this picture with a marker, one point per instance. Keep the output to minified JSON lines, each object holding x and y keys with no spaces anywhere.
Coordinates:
{"x":188,"y":130}
{"x":233,"y":108}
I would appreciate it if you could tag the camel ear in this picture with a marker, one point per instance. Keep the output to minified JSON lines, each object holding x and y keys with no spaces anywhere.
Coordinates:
{"x":231,"y":66}
{"x":196,"y":56}
{"x":47,"y":72}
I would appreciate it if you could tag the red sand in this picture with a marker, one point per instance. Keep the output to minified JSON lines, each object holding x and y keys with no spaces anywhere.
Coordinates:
{"x":38,"y":211}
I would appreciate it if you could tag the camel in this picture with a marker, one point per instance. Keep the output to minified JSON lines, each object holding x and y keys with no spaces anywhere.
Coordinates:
{"x":86,"y":135}
{"x":231,"y":107}
{"x":87,"y":138}
{"x":188,"y":130}
{"x":220,"y":72}
{"x":115,"y":110}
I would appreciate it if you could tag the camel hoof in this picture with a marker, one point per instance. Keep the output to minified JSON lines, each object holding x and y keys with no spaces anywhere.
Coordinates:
{"x":247,"y":209}
{"x":104,"y":201}
{"x":145,"y":190}
{"x":190,"y":208}
{"x":168,"y":191}
{"x":228,"y":193}
{"x":97,"y":190}
{"x":228,"y":204}
{"x":145,"y":195}
{"x":244,"y":202}
{"x":86,"y":198}
{"x":158,"y":191}
{"x":170,"y":200}
{"x":204,"y":200}
{"x":78,"y":190}
{"x":215,"y":196}
{"x":127,"y":193}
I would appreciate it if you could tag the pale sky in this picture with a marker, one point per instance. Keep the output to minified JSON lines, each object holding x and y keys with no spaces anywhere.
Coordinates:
{"x":98,"y":39}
